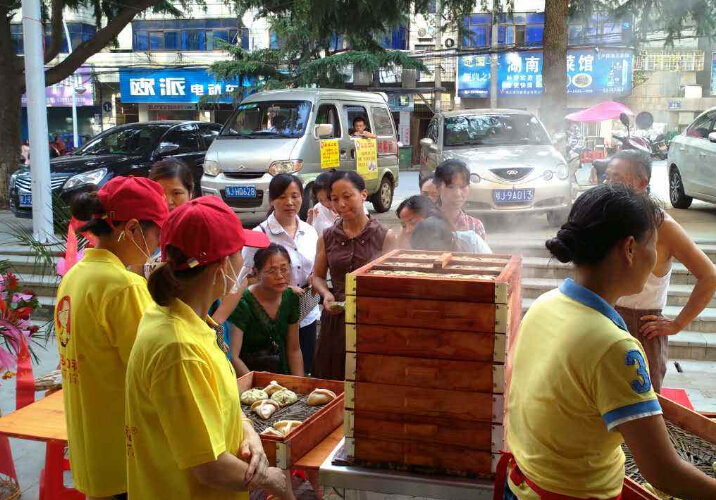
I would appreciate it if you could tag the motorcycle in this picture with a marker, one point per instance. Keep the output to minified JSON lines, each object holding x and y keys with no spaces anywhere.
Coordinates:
{"x":659,"y":148}
{"x":628,"y":141}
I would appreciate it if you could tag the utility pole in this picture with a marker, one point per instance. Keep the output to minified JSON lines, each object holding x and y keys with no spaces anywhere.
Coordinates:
{"x":33,"y":32}
{"x":494,"y":59}
{"x":438,"y":47}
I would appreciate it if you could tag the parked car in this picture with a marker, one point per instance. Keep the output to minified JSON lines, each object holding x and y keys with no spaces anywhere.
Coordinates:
{"x":692,"y":155}
{"x":514,"y":164}
{"x":123,"y":150}
{"x":281,"y":132}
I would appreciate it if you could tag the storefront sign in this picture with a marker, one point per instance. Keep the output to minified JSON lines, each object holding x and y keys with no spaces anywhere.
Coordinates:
{"x":330,"y":156}
{"x":401,"y":102}
{"x":713,"y":73}
{"x":589,"y":71}
{"x":60,"y":94}
{"x":187,"y":85}
{"x":674,"y":104}
{"x":367,"y":158}
{"x":171,"y":107}
{"x":473,"y":75}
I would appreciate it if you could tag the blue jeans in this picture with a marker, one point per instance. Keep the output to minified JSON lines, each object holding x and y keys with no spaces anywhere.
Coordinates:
{"x":508,"y":492}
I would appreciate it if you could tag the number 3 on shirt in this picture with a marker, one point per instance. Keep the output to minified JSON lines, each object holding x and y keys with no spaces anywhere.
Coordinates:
{"x":635,"y":357}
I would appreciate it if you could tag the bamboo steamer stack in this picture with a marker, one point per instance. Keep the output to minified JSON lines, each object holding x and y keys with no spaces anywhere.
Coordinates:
{"x":426,"y":366}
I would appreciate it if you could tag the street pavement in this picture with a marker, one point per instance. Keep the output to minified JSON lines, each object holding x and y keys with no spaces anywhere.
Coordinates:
{"x":699,"y":222}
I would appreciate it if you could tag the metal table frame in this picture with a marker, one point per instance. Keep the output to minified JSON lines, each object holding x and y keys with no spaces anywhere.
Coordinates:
{"x":401,"y":483}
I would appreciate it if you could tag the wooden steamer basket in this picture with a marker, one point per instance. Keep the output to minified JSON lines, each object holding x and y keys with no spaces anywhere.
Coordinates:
{"x":686,"y":419}
{"x":283,"y":452}
{"x":426,"y":363}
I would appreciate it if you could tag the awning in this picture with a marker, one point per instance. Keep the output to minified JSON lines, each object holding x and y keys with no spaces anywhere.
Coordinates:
{"x":609,"y":110}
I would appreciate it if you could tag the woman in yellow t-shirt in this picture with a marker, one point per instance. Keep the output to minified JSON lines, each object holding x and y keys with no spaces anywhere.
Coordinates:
{"x":580,"y":384}
{"x":99,"y":305}
{"x":186,"y":436}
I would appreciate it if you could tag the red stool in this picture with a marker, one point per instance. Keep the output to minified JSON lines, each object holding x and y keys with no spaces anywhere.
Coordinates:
{"x":52,"y":485}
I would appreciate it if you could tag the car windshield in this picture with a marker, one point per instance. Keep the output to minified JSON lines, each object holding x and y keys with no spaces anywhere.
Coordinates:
{"x":125,"y":141}
{"x":494,"y":130}
{"x":268,"y":119}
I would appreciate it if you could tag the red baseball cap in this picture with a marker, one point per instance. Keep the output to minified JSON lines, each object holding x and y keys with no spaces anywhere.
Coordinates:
{"x":125,"y":198}
{"x":205,"y":230}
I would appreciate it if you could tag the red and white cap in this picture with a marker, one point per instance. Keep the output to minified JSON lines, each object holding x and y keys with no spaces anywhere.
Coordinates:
{"x":206,"y":230}
{"x":126,"y":198}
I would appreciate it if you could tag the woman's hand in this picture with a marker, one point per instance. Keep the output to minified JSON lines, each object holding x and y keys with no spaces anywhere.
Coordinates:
{"x":329,"y":302}
{"x":297,"y":290}
{"x":252,"y":452}
{"x":658,"y":326}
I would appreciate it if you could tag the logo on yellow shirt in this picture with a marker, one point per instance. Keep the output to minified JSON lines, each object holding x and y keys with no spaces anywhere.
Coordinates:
{"x":63,"y":321}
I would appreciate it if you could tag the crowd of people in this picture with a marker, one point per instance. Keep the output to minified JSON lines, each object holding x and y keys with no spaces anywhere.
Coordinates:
{"x":177,"y":299}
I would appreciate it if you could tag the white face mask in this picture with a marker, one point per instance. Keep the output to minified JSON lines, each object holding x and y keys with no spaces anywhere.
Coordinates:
{"x":227,"y":279}
{"x":147,"y":268}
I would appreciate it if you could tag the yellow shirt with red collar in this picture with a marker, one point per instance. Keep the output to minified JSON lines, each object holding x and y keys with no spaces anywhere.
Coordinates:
{"x":99,"y":306}
{"x":183,"y":406}
{"x":578,"y":374}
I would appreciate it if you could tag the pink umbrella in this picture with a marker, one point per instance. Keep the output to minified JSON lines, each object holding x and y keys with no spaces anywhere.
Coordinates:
{"x":609,"y":110}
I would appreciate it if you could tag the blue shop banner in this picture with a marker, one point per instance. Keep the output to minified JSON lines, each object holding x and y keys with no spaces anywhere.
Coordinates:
{"x":176,"y":86}
{"x":474,"y":76}
{"x":713,"y":73}
{"x":589,"y":71}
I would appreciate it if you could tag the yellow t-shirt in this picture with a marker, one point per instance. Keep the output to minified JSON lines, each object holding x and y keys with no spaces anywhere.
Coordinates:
{"x":99,"y":305}
{"x":577,"y":375}
{"x":183,"y":406}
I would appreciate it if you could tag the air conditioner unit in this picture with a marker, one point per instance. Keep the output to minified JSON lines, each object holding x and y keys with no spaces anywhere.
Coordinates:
{"x":422,"y":32}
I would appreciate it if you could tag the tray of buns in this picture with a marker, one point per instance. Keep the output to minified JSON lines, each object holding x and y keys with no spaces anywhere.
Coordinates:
{"x":291,"y":414}
{"x":427,"y":336}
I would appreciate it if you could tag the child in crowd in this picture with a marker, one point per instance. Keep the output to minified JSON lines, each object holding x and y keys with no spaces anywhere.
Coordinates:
{"x":322,"y":216}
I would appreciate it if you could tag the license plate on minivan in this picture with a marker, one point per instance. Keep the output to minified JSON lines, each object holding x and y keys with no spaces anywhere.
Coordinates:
{"x":508,"y":196}
{"x":241,"y":191}
{"x":26,"y":200}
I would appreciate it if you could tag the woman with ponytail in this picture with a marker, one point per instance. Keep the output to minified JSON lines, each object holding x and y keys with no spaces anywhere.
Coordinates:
{"x":99,"y":304}
{"x":580,"y":384}
{"x":187,"y":438}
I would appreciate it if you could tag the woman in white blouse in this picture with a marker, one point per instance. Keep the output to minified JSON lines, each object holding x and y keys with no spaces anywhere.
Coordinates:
{"x":284,"y":227}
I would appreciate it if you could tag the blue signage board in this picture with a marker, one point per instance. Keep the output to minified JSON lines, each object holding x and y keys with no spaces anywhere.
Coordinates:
{"x":713,"y":73}
{"x":592,"y":71}
{"x":185,"y":85}
{"x":473,"y":74}
{"x":589,"y":71}
{"x":520,"y":73}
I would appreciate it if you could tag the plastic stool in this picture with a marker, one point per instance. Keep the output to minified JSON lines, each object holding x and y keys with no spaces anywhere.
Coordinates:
{"x":52,"y":486}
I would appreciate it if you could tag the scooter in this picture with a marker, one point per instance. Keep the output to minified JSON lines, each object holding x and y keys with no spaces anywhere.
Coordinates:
{"x":659,"y":149}
{"x":628,"y":141}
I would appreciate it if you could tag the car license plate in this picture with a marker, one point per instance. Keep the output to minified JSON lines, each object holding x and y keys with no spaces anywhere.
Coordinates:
{"x":241,"y":191}
{"x":26,"y":200}
{"x":508,"y":196}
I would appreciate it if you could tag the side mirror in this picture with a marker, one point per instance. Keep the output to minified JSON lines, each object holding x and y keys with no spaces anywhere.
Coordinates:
{"x":323,"y":130}
{"x":559,"y":137}
{"x":166,"y":147}
{"x":624,"y":118}
{"x":712,"y":137}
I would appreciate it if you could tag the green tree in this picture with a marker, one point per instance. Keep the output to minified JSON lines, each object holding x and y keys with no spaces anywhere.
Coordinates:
{"x":111,"y":18}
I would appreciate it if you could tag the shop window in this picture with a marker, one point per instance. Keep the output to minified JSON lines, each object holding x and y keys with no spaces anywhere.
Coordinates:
{"x":193,"y":40}
{"x":383,"y":122}
{"x":476,"y":30}
{"x":171,"y":40}
{"x":396,"y":39}
{"x":156,"y":40}
{"x":328,"y":113}
{"x":141,"y":41}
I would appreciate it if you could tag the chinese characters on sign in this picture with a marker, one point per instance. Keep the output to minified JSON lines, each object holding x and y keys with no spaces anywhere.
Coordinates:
{"x":188,"y":85}
{"x":607,"y":71}
{"x":367,"y":158}
{"x":60,"y":94}
{"x":329,"y":154}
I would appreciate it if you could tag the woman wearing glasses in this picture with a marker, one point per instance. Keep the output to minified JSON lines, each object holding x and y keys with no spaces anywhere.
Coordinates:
{"x":266,"y":319}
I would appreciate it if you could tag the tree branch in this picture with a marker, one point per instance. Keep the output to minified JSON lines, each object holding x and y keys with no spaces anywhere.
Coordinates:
{"x":53,"y":49}
{"x":99,"y":41}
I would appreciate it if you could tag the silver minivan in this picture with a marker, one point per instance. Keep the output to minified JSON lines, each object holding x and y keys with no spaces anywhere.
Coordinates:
{"x":281,"y":132}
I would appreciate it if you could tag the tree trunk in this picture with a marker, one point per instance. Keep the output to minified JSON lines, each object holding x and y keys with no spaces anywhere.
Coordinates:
{"x":554,"y":69}
{"x":10,"y":117}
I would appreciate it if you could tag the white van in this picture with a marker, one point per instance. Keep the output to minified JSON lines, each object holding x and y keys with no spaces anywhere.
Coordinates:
{"x":281,"y":132}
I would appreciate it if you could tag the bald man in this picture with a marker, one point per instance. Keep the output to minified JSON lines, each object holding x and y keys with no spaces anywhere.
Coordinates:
{"x":643,"y":312}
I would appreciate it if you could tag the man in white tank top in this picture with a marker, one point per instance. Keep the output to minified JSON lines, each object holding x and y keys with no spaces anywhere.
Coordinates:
{"x":642,"y":312}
